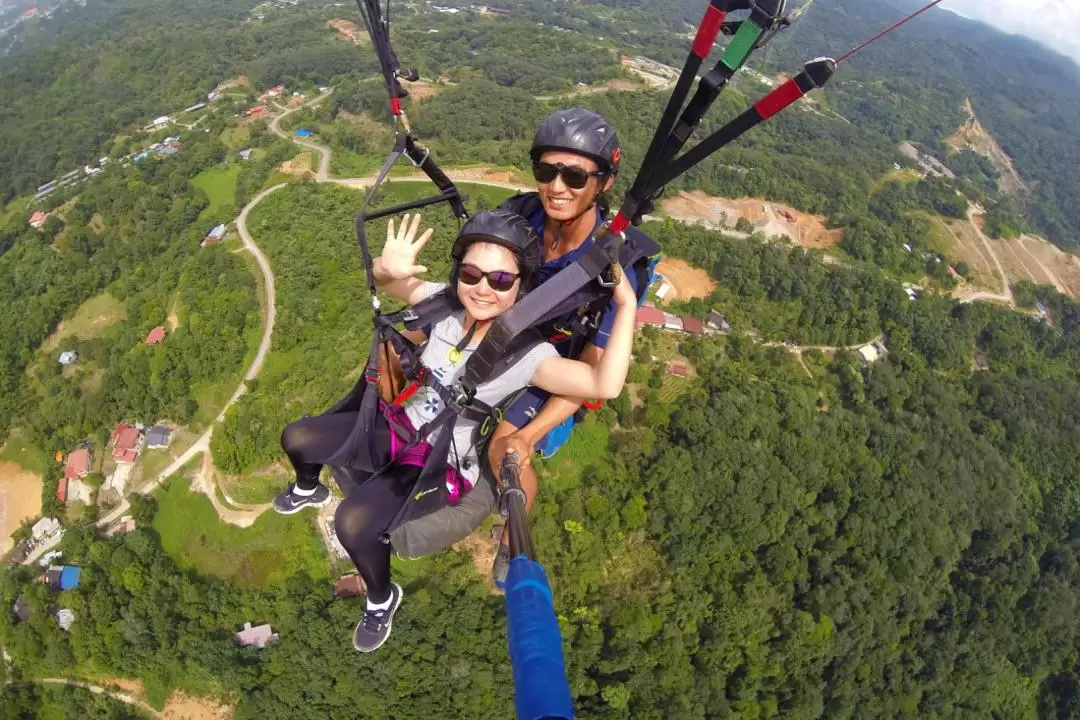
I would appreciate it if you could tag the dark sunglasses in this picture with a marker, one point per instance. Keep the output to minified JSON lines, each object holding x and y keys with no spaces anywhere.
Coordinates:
{"x":574,"y":176}
{"x":498,"y":280}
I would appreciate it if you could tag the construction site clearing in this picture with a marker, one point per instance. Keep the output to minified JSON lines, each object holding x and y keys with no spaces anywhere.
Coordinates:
{"x":1024,"y":258}
{"x":768,"y":218}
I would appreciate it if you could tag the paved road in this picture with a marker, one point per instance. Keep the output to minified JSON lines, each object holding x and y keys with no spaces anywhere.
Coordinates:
{"x":202,"y":444}
{"x":323,"y":173}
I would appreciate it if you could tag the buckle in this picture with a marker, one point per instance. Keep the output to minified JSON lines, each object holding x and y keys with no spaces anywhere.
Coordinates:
{"x":427,"y":152}
{"x":372,"y":375}
{"x":462,"y":394}
{"x":607,"y":278}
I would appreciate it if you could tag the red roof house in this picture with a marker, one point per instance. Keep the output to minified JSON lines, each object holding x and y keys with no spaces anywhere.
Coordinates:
{"x":649,"y":316}
{"x":61,"y":490}
{"x":349,"y":586}
{"x":693,"y":326}
{"x":676,"y":369}
{"x":156,"y":335}
{"x":125,"y":440}
{"x":77,"y":465}
{"x":256,"y":112}
{"x":37,"y":219}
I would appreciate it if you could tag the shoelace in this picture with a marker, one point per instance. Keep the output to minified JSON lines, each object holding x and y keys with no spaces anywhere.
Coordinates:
{"x":374,"y":620}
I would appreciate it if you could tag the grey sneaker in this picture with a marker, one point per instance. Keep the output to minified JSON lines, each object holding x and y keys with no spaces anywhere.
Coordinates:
{"x":288,"y":502}
{"x":374,"y":628}
{"x":501,"y":566}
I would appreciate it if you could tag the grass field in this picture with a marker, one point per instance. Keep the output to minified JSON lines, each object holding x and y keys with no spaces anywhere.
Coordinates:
{"x":346,"y":164}
{"x":16,"y":207}
{"x":211,"y":397}
{"x":236,"y":138}
{"x":588,"y":446}
{"x":91,"y":319}
{"x":257,"y":487}
{"x":219,"y":184}
{"x":268,"y":553}
{"x":18,"y":450}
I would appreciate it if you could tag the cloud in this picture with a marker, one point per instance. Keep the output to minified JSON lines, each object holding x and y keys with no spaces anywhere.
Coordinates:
{"x":1050,"y":22}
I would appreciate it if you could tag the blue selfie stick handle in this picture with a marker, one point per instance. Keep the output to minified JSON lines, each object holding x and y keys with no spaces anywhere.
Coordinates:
{"x":541,"y":690}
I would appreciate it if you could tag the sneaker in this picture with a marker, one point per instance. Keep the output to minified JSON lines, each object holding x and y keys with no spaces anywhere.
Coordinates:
{"x":501,"y":566}
{"x":374,"y":628}
{"x":288,"y":502}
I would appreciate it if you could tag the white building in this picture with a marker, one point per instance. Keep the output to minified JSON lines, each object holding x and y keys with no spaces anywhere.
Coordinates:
{"x":44,"y":529}
{"x":161,"y":122}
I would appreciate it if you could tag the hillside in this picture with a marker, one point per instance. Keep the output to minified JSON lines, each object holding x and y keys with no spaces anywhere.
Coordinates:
{"x":974,"y":137}
{"x":855,"y":500}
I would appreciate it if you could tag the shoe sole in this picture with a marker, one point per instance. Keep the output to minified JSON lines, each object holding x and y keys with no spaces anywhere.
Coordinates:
{"x":389,"y":624}
{"x":298,"y":508}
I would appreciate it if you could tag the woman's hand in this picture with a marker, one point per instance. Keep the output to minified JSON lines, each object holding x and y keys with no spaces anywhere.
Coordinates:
{"x":624,"y":292}
{"x":398,"y":259}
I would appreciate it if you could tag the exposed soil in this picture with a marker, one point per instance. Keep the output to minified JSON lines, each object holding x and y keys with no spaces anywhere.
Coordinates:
{"x":769,"y":218}
{"x":240,"y":81}
{"x":347,"y":30}
{"x":973,"y":136}
{"x":185,"y":707}
{"x":421,"y":91}
{"x":20,"y":498}
{"x":482,"y":549}
{"x":1063,"y":268}
{"x":299,"y":165}
{"x":687,"y":281}
{"x":966,"y":246}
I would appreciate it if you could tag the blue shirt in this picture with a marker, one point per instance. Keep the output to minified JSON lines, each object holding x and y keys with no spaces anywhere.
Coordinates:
{"x":550,"y":268}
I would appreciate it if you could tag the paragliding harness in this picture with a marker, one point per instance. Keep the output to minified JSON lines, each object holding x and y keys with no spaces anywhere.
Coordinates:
{"x":568,"y":305}
{"x":586,"y":283}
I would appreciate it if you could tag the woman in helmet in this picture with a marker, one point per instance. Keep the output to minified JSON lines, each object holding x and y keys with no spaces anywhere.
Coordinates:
{"x":496,"y":258}
{"x":575,"y":158}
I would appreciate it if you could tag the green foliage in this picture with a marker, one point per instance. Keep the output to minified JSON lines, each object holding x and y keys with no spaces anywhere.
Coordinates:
{"x":62,"y":702}
{"x":275,"y":549}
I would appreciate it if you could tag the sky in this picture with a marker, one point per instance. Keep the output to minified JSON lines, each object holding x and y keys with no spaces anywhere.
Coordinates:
{"x":1052,"y":22}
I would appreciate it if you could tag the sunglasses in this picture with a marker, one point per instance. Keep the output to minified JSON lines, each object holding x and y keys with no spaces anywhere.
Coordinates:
{"x":574,"y":176}
{"x":498,"y":280}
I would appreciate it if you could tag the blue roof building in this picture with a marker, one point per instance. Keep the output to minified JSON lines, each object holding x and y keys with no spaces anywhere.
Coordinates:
{"x":303,"y":132}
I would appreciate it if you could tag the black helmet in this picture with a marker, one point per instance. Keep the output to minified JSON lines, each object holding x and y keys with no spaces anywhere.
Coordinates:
{"x":580,"y":131}
{"x":504,"y":228}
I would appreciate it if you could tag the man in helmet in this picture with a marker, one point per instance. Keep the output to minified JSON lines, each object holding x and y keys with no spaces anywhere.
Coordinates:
{"x":575,"y":157}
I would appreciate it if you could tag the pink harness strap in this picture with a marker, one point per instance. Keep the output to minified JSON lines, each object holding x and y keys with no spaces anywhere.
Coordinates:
{"x":417,"y":455}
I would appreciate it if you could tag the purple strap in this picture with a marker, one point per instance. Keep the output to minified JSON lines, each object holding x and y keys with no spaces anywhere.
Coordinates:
{"x":417,"y":455}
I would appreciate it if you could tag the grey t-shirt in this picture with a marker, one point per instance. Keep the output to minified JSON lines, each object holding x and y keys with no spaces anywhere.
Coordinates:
{"x":439,"y":359}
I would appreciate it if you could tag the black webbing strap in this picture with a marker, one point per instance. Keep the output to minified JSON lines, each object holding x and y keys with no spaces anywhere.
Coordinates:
{"x":546,"y":302}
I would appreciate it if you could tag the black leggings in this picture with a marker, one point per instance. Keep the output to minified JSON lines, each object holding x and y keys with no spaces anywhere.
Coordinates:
{"x":367,"y":512}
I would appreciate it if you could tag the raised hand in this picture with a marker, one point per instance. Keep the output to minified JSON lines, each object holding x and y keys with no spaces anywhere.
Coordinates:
{"x":398,"y":259}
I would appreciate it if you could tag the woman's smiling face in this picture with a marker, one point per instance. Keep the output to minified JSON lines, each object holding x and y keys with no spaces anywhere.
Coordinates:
{"x":481,"y":301}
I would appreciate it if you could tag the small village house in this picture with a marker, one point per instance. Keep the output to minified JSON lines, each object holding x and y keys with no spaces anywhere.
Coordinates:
{"x":718,"y":322}
{"x":37,"y":219}
{"x":649,"y":316}
{"x":347,"y":586}
{"x":62,"y":577}
{"x":216,"y":235}
{"x":155,"y":336}
{"x":256,"y":637}
{"x":158,"y":437}
{"x":68,"y":357}
{"x":676,"y":369}
{"x":76,"y":468}
{"x":126,"y":443}
{"x":693,"y":326}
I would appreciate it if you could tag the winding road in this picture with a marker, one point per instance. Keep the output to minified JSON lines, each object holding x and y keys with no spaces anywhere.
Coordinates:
{"x":114,"y":693}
